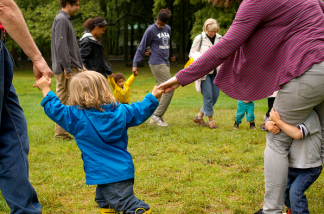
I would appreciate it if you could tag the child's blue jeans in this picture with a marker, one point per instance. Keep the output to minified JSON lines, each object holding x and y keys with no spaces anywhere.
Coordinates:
{"x":243,"y":108}
{"x":120,"y":196}
{"x":299,"y":180}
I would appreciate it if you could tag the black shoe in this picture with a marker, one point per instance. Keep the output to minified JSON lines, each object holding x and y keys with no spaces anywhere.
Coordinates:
{"x":252,"y":125}
{"x":236,"y":126}
{"x":259,"y":212}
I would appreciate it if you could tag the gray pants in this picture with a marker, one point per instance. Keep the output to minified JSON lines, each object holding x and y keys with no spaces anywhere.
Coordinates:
{"x":294,"y":103}
{"x":161,"y":74}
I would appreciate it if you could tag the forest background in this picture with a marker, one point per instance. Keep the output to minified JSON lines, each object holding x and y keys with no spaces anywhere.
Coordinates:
{"x":135,"y":16}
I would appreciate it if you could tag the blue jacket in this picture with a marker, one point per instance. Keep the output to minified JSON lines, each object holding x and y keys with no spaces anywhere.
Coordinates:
{"x":102,"y":136}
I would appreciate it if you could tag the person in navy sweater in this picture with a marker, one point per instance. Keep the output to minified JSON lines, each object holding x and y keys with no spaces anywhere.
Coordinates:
{"x":157,"y":36}
{"x":99,"y":125}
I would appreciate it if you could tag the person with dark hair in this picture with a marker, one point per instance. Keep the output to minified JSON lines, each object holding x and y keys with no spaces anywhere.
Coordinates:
{"x":120,"y":87}
{"x":66,"y":57}
{"x":92,"y":52}
{"x":255,"y":64}
{"x":15,"y":186}
{"x":157,"y":36}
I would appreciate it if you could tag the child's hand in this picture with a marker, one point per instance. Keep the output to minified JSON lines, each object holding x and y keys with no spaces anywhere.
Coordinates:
{"x":157,"y":93}
{"x":44,"y":84}
{"x":272,"y":127}
{"x":274,"y":116}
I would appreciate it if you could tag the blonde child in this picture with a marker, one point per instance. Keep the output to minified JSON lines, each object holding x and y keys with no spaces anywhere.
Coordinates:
{"x":99,"y":125}
{"x":120,"y":87}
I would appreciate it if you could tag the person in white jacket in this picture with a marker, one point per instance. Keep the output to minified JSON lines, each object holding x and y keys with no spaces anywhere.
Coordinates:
{"x":208,"y":89}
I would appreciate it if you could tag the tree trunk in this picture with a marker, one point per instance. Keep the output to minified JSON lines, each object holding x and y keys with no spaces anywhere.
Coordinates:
{"x":125,"y":33}
{"x":118,"y":30}
{"x":104,"y":37}
{"x":132,"y":42}
{"x":182,"y":30}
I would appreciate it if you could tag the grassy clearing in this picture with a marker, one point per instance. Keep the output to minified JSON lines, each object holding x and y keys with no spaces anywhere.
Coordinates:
{"x":181,"y":169}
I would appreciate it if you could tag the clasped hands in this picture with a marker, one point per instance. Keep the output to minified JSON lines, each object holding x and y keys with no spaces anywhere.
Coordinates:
{"x":270,"y":125}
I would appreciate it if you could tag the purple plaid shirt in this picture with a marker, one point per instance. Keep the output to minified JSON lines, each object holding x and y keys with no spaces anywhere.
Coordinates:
{"x":269,"y":43}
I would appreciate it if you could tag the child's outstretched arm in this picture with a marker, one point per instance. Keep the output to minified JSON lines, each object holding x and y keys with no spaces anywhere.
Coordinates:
{"x":44,"y":85}
{"x":139,"y":112}
{"x":111,"y":81}
{"x":290,"y":130}
{"x":130,"y":80}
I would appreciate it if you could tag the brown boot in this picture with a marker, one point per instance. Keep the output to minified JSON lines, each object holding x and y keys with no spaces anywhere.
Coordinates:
{"x":200,"y":121}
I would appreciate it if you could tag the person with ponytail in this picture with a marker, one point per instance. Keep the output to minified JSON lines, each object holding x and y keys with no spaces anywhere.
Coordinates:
{"x":92,"y":52}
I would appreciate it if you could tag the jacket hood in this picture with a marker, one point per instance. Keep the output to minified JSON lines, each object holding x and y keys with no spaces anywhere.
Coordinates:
{"x":110,"y":124}
{"x":86,"y":35}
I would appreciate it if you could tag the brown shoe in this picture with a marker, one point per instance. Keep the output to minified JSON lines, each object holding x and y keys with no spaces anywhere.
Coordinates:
{"x":212,"y":125}
{"x":199,"y":121}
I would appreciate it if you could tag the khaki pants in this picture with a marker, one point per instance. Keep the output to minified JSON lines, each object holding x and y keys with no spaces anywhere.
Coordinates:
{"x":162,"y":73}
{"x":63,"y":92}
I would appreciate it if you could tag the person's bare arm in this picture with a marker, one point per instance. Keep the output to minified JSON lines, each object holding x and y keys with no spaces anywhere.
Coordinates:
{"x":14,"y":23}
{"x":290,"y":130}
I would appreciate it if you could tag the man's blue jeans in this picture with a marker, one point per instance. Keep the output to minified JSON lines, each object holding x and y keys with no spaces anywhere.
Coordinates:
{"x":14,"y":145}
{"x":210,"y":94}
{"x":120,"y":196}
{"x":299,"y":180}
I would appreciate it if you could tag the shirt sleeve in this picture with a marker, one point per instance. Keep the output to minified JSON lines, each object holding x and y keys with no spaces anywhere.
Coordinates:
{"x":65,"y":116}
{"x":140,"y":52}
{"x":247,"y":19}
{"x":108,"y":69}
{"x":130,"y":80}
{"x":321,"y":3}
{"x":61,"y":46}
{"x":139,"y":112}
{"x":302,"y":128}
{"x":112,"y":82}
{"x":195,"y":45}
{"x":263,"y":128}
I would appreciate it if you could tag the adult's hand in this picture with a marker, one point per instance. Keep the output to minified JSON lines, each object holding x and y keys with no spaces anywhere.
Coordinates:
{"x":41,"y":69}
{"x":170,"y":85}
{"x":67,"y":75}
{"x":135,"y":71}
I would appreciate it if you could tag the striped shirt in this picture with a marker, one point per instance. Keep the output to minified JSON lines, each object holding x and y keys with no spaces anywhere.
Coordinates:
{"x":269,"y":43}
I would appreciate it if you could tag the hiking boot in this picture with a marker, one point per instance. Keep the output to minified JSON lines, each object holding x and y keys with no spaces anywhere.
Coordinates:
{"x":108,"y":210}
{"x":252,"y":125}
{"x":158,"y":120}
{"x":145,"y":211}
{"x":236,"y":125}
{"x":200,"y":121}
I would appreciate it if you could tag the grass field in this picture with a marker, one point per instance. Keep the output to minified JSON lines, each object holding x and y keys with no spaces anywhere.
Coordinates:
{"x":180,"y":169}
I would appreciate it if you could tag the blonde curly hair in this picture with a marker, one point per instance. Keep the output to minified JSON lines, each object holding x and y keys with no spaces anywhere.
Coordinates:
{"x":90,"y":89}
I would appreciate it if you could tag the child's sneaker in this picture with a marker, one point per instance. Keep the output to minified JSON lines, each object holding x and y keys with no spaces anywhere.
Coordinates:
{"x":252,"y":125}
{"x":236,"y":125}
{"x":145,"y":211}
{"x":108,"y":210}
{"x":158,"y":120}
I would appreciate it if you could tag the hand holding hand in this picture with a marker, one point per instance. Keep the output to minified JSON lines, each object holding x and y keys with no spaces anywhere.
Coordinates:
{"x":41,"y":69}
{"x":148,"y":53}
{"x":170,"y":84}
{"x":135,"y":71}
{"x":111,"y":75}
{"x":43,"y":83}
{"x":272,"y":127}
{"x":67,"y":75}
{"x":157,"y":93}
{"x":274,"y":116}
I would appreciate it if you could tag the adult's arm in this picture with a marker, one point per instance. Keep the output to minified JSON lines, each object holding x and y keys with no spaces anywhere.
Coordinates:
{"x":85,"y":50}
{"x":248,"y":17}
{"x":61,"y":44}
{"x":195,"y":47}
{"x":140,"y":52}
{"x":14,"y":23}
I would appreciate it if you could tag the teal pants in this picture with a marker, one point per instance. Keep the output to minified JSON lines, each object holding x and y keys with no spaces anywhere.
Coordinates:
{"x":243,"y":108}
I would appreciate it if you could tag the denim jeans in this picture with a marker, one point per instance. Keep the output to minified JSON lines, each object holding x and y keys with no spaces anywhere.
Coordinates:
{"x":120,"y":196}
{"x":299,"y":180}
{"x":243,"y":108}
{"x":14,"y":146}
{"x":210,"y":94}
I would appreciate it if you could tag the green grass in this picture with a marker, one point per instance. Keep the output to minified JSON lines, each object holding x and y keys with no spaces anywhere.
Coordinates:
{"x":182,"y":168}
